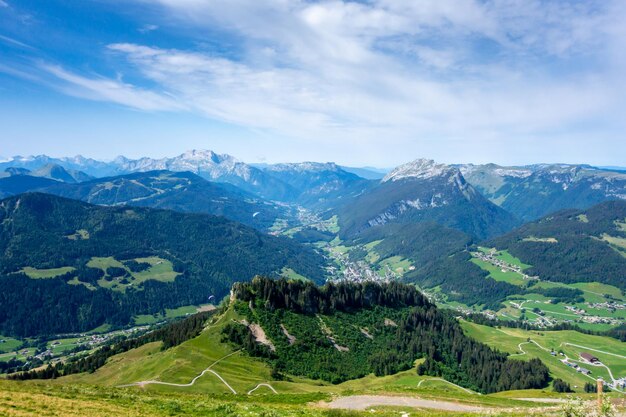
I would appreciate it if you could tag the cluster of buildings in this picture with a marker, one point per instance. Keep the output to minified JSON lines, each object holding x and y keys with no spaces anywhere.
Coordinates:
{"x":490,"y":257}
{"x":593,"y":319}
{"x":607,"y":305}
{"x":580,"y":369}
{"x":358,"y":271}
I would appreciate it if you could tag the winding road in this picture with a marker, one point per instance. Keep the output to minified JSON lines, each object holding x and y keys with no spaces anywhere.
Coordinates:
{"x":613,"y":380}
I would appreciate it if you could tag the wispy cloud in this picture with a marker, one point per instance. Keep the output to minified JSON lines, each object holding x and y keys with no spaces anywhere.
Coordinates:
{"x":115,"y":91}
{"x":15,"y":42}
{"x":3,"y":3}
{"x":148,"y":28}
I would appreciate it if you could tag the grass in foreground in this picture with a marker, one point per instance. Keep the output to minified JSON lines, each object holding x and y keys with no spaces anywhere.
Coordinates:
{"x":49,"y":399}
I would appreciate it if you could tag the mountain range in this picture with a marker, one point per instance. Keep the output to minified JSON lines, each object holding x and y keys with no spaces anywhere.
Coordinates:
{"x":304,"y":183}
{"x":533,"y":191}
{"x":180,"y":191}
{"x":527,"y":192}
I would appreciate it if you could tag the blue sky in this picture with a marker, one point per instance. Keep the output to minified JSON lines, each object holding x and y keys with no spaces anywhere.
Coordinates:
{"x":373,"y":82}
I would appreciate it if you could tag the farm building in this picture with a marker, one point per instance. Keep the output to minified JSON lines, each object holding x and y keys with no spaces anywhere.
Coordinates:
{"x":589,"y":357}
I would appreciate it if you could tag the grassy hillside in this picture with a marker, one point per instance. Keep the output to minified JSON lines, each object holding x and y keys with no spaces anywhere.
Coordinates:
{"x":98,"y":393}
{"x":54,"y":399}
{"x":570,"y":343}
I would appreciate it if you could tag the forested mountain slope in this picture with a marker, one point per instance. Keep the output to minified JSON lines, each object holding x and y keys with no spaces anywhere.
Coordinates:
{"x":180,"y":191}
{"x":18,"y":184}
{"x":75,"y":266}
{"x":574,"y":245}
{"x":424,"y":191}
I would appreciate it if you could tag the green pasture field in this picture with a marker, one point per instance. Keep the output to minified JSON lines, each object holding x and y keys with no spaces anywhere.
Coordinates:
{"x":508,"y":340}
{"x":46,"y":273}
{"x":9,"y":344}
{"x":160,"y":270}
{"x":291,"y":274}
{"x":170,"y":313}
{"x":497,"y":274}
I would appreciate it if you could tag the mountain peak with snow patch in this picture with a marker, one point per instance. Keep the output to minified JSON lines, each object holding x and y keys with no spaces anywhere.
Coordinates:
{"x":421,"y":169}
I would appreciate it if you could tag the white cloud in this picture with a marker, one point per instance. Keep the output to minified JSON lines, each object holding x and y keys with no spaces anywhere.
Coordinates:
{"x":102,"y":89}
{"x":3,"y":3}
{"x":385,"y":70}
{"x":148,"y":28}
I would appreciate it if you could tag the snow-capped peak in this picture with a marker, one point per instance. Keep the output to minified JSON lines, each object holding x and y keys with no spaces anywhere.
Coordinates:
{"x":420,"y":168}
{"x":204,"y":156}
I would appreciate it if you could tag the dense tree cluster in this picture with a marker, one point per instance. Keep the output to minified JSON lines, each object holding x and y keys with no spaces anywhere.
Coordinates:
{"x":420,"y":242}
{"x":560,"y":294}
{"x":346,"y":331}
{"x":209,"y":252}
{"x":12,"y":365}
{"x":308,"y":298}
{"x":135,"y":266}
{"x":590,"y":387}
{"x":558,"y":385}
{"x":116,"y":271}
{"x":171,"y":335}
{"x":618,"y":332}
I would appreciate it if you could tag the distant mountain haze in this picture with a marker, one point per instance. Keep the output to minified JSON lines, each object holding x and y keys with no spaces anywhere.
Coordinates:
{"x":527,"y":192}
{"x":533,"y":191}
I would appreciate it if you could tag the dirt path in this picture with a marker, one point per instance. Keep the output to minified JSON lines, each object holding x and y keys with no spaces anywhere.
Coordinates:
{"x":543,"y":400}
{"x":223,"y":380}
{"x":262,"y":385}
{"x":189,"y":384}
{"x":448,"y":382}
{"x":363,"y":402}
